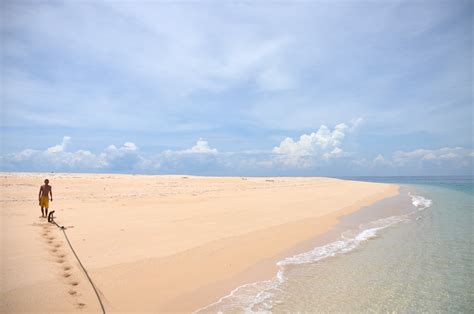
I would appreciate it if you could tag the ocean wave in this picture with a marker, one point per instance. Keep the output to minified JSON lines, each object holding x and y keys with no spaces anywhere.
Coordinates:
{"x":420,"y":202}
{"x":350,"y":240}
{"x":249,"y":296}
{"x":257,"y":297}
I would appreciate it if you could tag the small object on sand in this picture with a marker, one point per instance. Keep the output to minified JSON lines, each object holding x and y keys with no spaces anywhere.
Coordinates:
{"x":51,"y":216}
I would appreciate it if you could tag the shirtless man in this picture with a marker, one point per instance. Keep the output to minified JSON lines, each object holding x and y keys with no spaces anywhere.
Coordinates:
{"x":44,"y":191}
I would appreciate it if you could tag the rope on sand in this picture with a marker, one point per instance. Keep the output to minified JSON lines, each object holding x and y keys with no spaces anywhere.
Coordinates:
{"x":63,"y":229}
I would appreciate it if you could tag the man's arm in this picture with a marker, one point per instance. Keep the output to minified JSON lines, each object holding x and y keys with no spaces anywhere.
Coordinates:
{"x":51,"y":193}
{"x":39,"y":195}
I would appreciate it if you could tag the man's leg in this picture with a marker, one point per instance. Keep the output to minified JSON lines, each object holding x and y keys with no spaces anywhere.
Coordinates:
{"x":42,"y":211}
{"x":46,"y":211}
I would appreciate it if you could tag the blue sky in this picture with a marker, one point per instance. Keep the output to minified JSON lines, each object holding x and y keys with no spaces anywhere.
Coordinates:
{"x":238,"y":88}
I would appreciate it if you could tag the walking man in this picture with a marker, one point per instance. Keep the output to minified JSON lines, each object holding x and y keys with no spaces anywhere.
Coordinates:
{"x":44,"y":192}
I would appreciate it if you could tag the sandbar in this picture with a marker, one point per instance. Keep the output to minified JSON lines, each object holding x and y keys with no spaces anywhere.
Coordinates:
{"x":158,"y":243}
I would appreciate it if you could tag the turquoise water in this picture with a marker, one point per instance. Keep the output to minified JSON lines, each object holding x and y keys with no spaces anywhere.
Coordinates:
{"x":417,"y":259}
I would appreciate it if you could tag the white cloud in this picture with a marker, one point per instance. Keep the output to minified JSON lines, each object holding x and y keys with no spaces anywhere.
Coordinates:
{"x":61,"y":147}
{"x":380,"y":160}
{"x":125,"y":157}
{"x":176,"y":48}
{"x":448,"y":156}
{"x":402,"y":158}
{"x":336,"y":152}
{"x":58,"y":158}
{"x":446,"y":160}
{"x":308,"y":153}
{"x":324,"y":144}
{"x":128,"y":146}
{"x":24,"y":155}
{"x":201,"y":147}
{"x":200,"y":157}
{"x":309,"y":144}
{"x":442,"y":161}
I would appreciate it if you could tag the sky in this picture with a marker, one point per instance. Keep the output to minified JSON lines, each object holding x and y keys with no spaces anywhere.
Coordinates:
{"x":303,"y":88}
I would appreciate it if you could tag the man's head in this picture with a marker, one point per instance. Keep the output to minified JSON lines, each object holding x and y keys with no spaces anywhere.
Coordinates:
{"x":46,"y":181}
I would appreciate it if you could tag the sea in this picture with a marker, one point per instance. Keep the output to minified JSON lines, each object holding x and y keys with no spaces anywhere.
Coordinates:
{"x":410,"y":253}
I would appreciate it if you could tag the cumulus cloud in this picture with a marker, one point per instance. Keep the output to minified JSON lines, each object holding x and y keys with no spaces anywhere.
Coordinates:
{"x":336,"y":152}
{"x":309,"y":153}
{"x":125,"y":157}
{"x":61,"y":147}
{"x":324,"y":144}
{"x":58,"y":158}
{"x":308,"y":144}
{"x":200,"y":157}
{"x":201,"y":147}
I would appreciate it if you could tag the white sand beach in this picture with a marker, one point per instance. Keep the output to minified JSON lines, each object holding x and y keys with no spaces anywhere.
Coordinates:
{"x":158,"y":243}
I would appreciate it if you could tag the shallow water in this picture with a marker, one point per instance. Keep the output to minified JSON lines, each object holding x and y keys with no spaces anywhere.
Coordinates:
{"x":418,"y":257}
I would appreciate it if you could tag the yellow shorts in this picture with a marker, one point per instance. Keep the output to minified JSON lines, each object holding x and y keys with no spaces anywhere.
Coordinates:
{"x":44,"y":202}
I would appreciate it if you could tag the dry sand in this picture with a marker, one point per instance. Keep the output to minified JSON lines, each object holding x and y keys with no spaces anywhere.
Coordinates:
{"x":158,"y":243}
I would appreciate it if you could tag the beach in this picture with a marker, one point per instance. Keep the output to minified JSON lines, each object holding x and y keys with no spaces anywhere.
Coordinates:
{"x":159,"y":243}
{"x":409,"y":253}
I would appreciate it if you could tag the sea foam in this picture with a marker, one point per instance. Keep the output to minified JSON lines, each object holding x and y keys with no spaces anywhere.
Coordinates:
{"x":420,"y":202}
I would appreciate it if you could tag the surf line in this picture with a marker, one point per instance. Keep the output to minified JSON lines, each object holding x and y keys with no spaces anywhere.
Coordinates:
{"x":63,"y":229}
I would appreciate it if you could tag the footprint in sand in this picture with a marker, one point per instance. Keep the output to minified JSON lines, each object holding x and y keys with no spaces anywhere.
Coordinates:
{"x":80,"y":305}
{"x":58,"y":254}
{"x":61,"y":260}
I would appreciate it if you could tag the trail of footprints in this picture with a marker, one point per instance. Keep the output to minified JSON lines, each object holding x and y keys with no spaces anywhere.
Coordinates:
{"x":60,"y":255}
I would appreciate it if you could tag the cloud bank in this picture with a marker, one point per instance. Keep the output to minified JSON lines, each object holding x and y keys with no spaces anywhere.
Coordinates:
{"x":319,"y":152}
{"x":57,"y":158}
